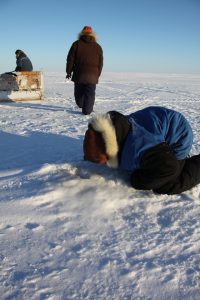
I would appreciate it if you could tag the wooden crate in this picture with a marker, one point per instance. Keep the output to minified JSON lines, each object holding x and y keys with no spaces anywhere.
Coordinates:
{"x":24,"y":86}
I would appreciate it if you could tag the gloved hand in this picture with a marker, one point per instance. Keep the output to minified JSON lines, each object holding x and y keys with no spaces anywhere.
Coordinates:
{"x":68,"y":76}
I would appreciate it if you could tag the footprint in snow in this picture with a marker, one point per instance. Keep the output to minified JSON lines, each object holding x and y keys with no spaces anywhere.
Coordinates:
{"x":32,"y":226}
{"x":166,"y":217}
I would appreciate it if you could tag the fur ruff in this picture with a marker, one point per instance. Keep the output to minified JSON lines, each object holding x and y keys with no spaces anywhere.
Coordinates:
{"x":89,"y":33}
{"x":103,"y":124}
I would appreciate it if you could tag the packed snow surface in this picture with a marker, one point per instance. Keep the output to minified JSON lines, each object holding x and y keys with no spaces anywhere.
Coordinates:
{"x":71,"y":229}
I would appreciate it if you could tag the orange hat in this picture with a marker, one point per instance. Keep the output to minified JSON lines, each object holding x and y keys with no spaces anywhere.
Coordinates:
{"x":94,"y":147}
{"x":87,"y":28}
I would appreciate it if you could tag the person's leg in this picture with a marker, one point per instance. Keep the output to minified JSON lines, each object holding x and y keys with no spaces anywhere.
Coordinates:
{"x":89,"y":98}
{"x":79,"y":94}
{"x":188,"y":178}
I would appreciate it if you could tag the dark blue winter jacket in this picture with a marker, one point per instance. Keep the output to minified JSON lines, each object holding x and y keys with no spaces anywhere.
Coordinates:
{"x":152,"y":126}
{"x":23,"y":64}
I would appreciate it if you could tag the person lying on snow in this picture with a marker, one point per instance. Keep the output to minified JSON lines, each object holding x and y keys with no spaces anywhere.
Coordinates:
{"x":153,"y":144}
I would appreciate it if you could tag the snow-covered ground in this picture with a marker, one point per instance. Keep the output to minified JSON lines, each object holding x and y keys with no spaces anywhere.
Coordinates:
{"x":70,"y":229}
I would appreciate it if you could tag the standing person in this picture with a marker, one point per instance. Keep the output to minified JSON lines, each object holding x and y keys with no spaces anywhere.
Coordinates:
{"x":153,"y":144}
{"x":23,"y":62}
{"x":84,"y":66}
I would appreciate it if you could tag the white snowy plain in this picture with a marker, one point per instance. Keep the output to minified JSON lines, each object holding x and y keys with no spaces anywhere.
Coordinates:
{"x":71,"y":229}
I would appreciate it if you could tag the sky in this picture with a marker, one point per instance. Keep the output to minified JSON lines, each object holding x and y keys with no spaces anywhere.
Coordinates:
{"x":153,"y":36}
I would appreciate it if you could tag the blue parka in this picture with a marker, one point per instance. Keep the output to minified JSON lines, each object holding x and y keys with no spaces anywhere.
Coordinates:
{"x":152,"y":126}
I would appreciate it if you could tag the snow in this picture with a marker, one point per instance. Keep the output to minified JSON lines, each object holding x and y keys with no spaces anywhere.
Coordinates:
{"x":70,"y":229}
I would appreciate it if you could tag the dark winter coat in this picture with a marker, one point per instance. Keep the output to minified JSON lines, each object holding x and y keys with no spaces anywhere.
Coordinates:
{"x":85,"y":60}
{"x":23,"y":64}
{"x":161,"y":137}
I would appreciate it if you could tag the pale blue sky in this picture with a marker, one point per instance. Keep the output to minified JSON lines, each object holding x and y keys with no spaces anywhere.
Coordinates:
{"x":136,"y":35}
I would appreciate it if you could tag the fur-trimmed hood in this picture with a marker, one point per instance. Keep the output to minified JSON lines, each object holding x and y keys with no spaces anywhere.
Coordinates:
{"x":103,"y":124}
{"x":87,"y":35}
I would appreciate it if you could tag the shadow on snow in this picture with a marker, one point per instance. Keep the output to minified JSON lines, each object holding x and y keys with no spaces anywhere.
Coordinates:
{"x":22,"y":156}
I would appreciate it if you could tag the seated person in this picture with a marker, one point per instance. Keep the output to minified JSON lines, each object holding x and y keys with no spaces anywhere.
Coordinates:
{"x":23,"y":62}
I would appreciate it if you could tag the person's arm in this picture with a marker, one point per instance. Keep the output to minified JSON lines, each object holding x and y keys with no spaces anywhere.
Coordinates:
{"x":18,"y":63}
{"x":158,"y":167}
{"x":71,"y":59}
{"x":100,"y":62}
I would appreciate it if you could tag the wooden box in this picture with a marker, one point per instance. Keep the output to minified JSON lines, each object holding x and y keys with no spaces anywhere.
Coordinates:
{"x":22,"y":86}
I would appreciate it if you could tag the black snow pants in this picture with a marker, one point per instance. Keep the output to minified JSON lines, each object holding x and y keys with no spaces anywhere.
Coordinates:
{"x":189,"y":177}
{"x":161,"y":172}
{"x":85,"y":96}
